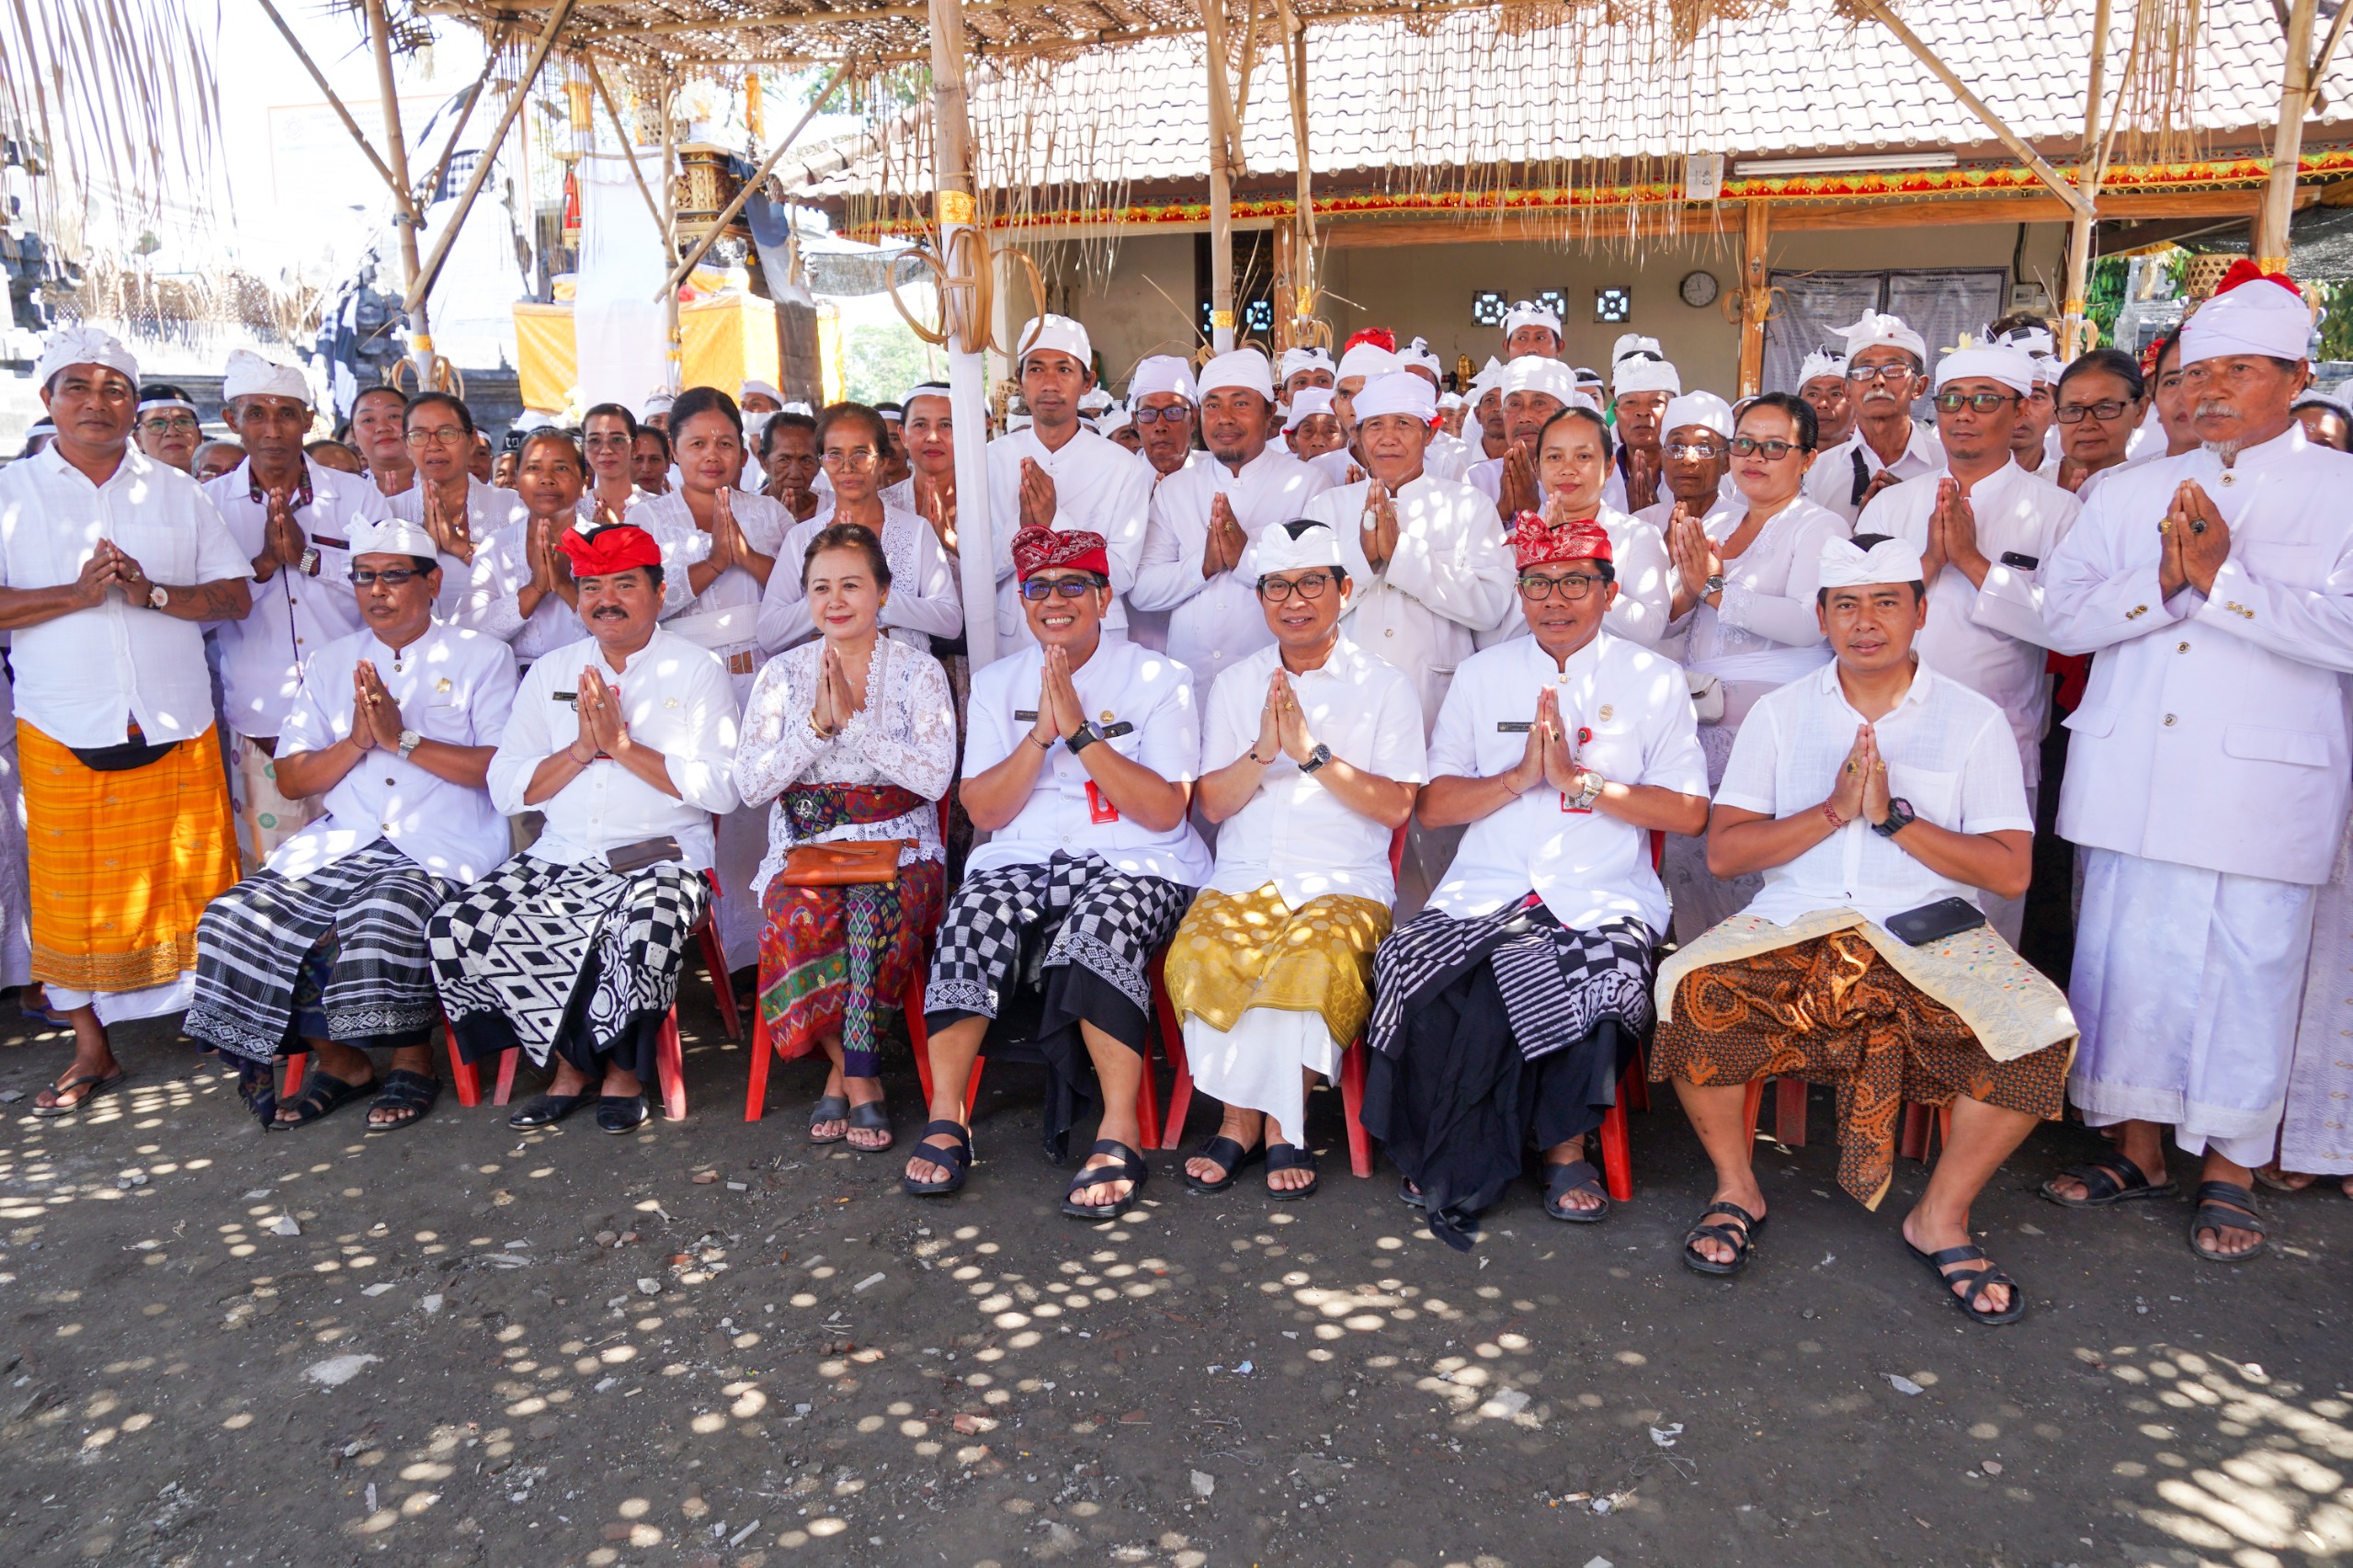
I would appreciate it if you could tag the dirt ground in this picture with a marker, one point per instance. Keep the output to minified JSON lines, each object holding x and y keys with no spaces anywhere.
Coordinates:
{"x":710,"y":1344}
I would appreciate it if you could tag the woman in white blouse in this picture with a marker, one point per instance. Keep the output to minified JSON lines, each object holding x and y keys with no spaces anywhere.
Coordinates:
{"x":1744,"y":610}
{"x":854,"y":737}
{"x":609,"y":434}
{"x":852,"y":444}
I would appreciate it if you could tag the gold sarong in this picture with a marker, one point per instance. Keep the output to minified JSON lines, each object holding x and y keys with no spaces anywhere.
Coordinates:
{"x":1235,"y":951}
{"x":122,"y":864}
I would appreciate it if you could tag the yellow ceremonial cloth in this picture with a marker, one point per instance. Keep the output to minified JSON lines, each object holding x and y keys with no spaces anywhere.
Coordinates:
{"x":122,"y":864}
{"x":1233,"y":952}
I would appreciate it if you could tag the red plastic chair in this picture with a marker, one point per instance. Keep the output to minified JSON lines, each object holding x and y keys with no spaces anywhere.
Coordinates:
{"x":1633,"y":1093}
{"x":462,"y":1076}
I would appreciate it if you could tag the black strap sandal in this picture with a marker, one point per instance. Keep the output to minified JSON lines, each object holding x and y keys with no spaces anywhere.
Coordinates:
{"x":1290,"y":1157}
{"x":829,"y":1108}
{"x":1127,"y":1166}
{"x":957,"y":1158}
{"x":1740,"y":1238}
{"x":92,"y":1084}
{"x":2109,"y":1179}
{"x":258,"y":1087}
{"x":871,"y":1117}
{"x":1577,"y":1176}
{"x":622,"y":1113}
{"x":2221,"y":1203}
{"x":545,"y":1110}
{"x":1975,"y":1283}
{"x":322,"y":1095}
{"x":1229,"y":1156}
{"x":1411,"y":1196}
{"x":410,"y":1094}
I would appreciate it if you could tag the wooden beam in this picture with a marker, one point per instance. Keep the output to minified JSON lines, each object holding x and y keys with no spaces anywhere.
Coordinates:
{"x":964,"y":311}
{"x":686,"y":265}
{"x":1223,"y":133}
{"x":2296,"y":87}
{"x":2088,"y":175}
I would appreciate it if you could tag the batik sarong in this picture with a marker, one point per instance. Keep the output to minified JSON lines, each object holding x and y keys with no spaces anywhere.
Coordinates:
{"x":357,"y":925}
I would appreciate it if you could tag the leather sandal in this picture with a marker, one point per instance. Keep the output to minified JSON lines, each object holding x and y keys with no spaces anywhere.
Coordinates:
{"x":2108,"y":1179}
{"x":322,"y":1095}
{"x":1127,"y":1166}
{"x":829,"y":1108}
{"x":2220,"y":1204}
{"x":956,"y":1156}
{"x":1977,"y":1282}
{"x":410,"y":1094}
{"x":871,"y":1117}
{"x":1290,"y":1157}
{"x":1229,"y":1156}
{"x":1577,"y":1176}
{"x":1740,"y":1237}
{"x":545,"y":1110}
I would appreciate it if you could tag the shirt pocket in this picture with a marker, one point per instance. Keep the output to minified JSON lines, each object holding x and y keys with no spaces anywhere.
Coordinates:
{"x":2287,"y":563}
{"x":2265,"y":742}
{"x":1933,"y":794}
{"x":166,"y":554}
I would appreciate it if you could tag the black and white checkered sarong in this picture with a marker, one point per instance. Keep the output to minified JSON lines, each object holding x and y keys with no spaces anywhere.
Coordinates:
{"x":510,"y":952}
{"x":1557,"y":982}
{"x":252,"y":941}
{"x":1105,"y":921}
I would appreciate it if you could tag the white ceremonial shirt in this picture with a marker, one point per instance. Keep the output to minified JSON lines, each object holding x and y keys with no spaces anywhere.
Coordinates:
{"x":675,"y":698}
{"x":488,"y":509}
{"x":1450,"y":577}
{"x":1335,"y":465}
{"x":1214,"y":621}
{"x":1120,"y":685}
{"x":1765,"y":627}
{"x":724,"y":617}
{"x":1842,"y":471}
{"x":1991,"y":637}
{"x":493,"y":603}
{"x":2213,"y":733}
{"x":1446,"y":456}
{"x":1950,"y":755}
{"x":1645,"y":603}
{"x":295,"y":613}
{"x":1099,"y":487}
{"x":924,"y":602}
{"x":451,"y":686}
{"x":1587,"y":867}
{"x":1295,"y":833}
{"x":82,"y":678}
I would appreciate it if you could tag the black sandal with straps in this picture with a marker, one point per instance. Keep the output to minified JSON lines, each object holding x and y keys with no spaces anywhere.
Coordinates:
{"x":321,"y":1095}
{"x":1740,"y":1238}
{"x":1127,"y":1166}
{"x":410,"y":1094}
{"x":1228,"y":1156}
{"x":1290,"y":1157}
{"x":2225,"y":1205}
{"x":957,"y":1158}
{"x":1975,"y":1283}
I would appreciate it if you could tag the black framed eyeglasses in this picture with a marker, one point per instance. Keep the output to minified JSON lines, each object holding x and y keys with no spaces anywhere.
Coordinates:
{"x":1980,"y":403}
{"x":390,"y":576}
{"x":1573,"y":585}
{"x":1749,"y":446}
{"x":1310,"y":585}
{"x":1038,"y":589}
{"x":2103,"y":410}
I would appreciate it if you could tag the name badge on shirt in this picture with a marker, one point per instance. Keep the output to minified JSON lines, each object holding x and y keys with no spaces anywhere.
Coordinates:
{"x":1514,"y":726}
{"x":1099,"y":809}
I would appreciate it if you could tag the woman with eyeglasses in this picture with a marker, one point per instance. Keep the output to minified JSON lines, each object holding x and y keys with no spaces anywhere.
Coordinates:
{"x":2101,"y":400}
{"x":1574,"y":461}
{"x":853,"y":736}
{"x":609,"y":438}
{"x":1744,"y":607}
{"x":447,"y":501}
{"x":851,"y":441}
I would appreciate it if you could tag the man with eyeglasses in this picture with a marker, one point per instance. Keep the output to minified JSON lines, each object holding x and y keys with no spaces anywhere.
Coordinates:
{"x":2035,"y":441}
{"x":1821,"y":381}
{"x":1985,"y":528}
{"x":1886,"y":362}
{"x":1161,"y":397}
{"x":1311,"y":755}
{"x":1507,"y":1012}
{"x":2207,"y":766}
{"x":1696,"y":453}
{"x":1079,"y":765}
{"x":380,"y":429}
{"x":1205,"y":517}
{"x":455,"y":509}
{"x":168,"y":430}
{"x":323,"y":950}
{"x":1059,"y":473}
{"x":293,"y":519}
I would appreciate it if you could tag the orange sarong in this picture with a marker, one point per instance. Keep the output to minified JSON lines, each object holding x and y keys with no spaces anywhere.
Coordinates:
{"x":122,"y":864}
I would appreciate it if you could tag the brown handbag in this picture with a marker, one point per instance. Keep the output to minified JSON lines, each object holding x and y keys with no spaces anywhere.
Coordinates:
{"x":842,"y":865}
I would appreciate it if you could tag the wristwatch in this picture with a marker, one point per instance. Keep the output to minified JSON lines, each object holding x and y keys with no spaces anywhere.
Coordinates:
{"x":1086,"y":735}
{"x":1899,"y":817}
{"x":1584,"y":799}
{"x":1715,"y":585}
{"x":410,"y":740}
{"x":309,"y":564}
{"x":157,"y":596}
{"x":1316,"y":758}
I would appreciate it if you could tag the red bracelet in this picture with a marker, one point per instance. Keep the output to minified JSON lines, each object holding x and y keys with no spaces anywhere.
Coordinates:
{"x":1836,"y":820}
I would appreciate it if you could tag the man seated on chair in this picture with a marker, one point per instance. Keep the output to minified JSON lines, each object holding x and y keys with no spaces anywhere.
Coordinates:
{"x":1079,"y":762}
{"x":625,"y":742}
{"x":1509,"y":1010}
{"x":323,"y":950}
{"x":1882,"y":801}
{"x":1316,"y":750}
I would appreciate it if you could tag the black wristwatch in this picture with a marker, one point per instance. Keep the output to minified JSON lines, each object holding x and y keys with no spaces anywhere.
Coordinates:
{"x":1086,"y":735}
{"x":1316,"y":758}
{"x":1899,"y":817}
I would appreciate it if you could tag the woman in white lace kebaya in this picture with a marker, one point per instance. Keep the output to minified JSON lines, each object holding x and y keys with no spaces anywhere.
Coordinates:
{"x":853,"y":736}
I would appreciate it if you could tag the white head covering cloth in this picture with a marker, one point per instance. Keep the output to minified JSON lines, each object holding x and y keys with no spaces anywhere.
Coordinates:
{"x":1056,"y":333}
{"x":1397,"y":391}
{"x":1647,"y":376}
{"x":1305,"y":358}
{"x":1820,"y":363}
{"x":2008,"y":365}
{"x":1278,"y":550}
{"x":1246,"y":369}
{"x":1527,"y":312}
{"x":1876,"y":330}
{"x":2256,"y":317}
{"x":1368,"y":359}
{"x":1704,"y":409}
{"x":1161,"y":373}
{"x":1845,"y":565}
{"x":392,"y":536}
{"x":250,"y":375}
{"x":1529,"y":373}
{"x":1305,"y":404}
{"x":82,"y":345}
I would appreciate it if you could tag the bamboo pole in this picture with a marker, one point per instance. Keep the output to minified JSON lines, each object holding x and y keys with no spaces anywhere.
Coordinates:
{"x":410,"y":217}
{"x":1221,"y":138}
{"x":679,"y":273}
{"x":367,"y":148}
{"x":2090,"y":173}
{"x":1756,"y":296}
{"x":978,"y":548}
{"x":674,"y":341}
{"x":2296,"y":87}
{"x":1303,"y":270}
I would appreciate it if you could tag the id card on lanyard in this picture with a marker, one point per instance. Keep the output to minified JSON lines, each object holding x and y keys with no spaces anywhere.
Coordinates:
{"x":1099,"y":809}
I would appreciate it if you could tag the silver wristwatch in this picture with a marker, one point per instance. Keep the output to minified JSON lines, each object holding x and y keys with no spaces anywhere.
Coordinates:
{"x":1715,"y":585}
{"x":410,"y":740}
{"x":1584,"y":799}
{"x":157,"y":597}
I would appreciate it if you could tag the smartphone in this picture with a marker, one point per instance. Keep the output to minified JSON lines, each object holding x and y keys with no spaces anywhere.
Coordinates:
{"x":1935,"y":922}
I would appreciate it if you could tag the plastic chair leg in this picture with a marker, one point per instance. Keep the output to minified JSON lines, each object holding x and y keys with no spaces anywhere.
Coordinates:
{"x":461,"y":1072}
{"x":1617,"y":1141}
{"x":669,"y":1066}
{"x":1789,"y":1111}
{"x":506,"y":1060}
{"x":295,"y":1066}
{"x":755,"y":1097}
{"x":1352,"y":1070}
{"x":1754,"y":1103}
{"x":1172,"y":1042}
{"x":722,"y":988}
{"x":1148,"y":1129}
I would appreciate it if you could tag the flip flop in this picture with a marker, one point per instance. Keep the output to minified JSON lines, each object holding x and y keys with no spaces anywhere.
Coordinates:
{"x":871,"y":1117}
{"x":99,"y":1083}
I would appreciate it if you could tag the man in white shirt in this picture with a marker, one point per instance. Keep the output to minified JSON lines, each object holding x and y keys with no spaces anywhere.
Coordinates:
{"x":1312,"y":753}
{"x":1205,"y":517}
{"x":1060,"y":474}
{"x":1511,"y":1007}
{"x":293,"y":519}
{"x":1533,"y":388}
{"x":1695,"y":455}
{"x":1489,"y":439}
{"x":1447,"y":456}
{"x":1078,"y":762}
{"x":2032,"y":441}
{"x":1821,"y":381}
{"x":1307,"y":366}
{"x":2207,"y":772}
{"x":1985,"y":527}
{"x":323,"y":950}
{"x":625,"y":742}
{"x":1531,"y":329}
{"x":1886,"y":365}
{"x":1368,"y":354}
{"x":1877,"y":797}
{"x":1425,"y":552}
{"x":1645,"y":383}
{"x":110,"y":566}
{"x":1161,"y":397}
